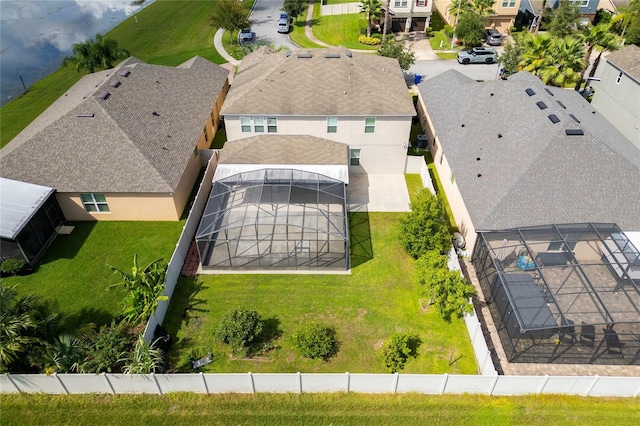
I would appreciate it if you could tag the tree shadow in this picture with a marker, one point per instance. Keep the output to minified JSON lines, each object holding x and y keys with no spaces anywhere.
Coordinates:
{"x":185,"y":304}
{"x":98,"y":317}
{"x":271,"y":332}
{"x":413,"y":344}
{"x":67,"y":246}
{"x":361,"y":246}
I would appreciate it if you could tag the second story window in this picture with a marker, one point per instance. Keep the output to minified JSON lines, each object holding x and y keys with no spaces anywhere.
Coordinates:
{"x":332,"y":124}
{"x":272,"y":125}
{"x":245,"y":124}
{"x":369,"y":124}
{"x":258,"y":124}
{"x":421,"y":2}
{"x":508,"y":3}
{"x":400,"y":3}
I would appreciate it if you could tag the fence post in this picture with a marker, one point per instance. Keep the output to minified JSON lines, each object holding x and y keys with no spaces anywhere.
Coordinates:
{"x":113,"y":391}
{"x":12,"y":382}
{"x":595,"y":380}
{"x":61,"y":384}
{"x":204,"y":382}
{"x":637,"y":393}
{"x":253,"y":385}
{"x":543,"y":384}
{"x":348,"y":381}
{"x":299,"y":382}
{"x":445,"y":378}
{"x":493,"y":384}
{"x":395,"y":382}
{"x":155,"y":379}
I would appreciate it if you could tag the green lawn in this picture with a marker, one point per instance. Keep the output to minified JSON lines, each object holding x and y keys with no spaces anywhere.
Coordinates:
{"x":74,"y":272}
{"x":379,"y":298}
{"x":340,"y":30}
{"x":317,"y":409}
{"x":414,"y":185}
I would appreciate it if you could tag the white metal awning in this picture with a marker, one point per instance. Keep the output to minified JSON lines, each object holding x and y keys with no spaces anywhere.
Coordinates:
{"x":19,"y":201}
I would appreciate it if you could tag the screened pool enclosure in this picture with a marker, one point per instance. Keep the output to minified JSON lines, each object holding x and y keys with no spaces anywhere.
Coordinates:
{"x":563,"y":293}
{"x":273,"y":219}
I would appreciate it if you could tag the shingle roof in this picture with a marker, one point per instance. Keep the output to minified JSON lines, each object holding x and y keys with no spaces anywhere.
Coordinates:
{"x":139,"y":138}
{"x":627,"y":59}
{"x":307,"y":82}
{"x":515,"y":167}
{"x":284,"y":149}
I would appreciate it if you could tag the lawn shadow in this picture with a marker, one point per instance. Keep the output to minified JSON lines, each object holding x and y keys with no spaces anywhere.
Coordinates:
{"x":99,"y":317}
{"x":361,"y":246}
{"x":67,"y":246}
{"x":271,"y":331}
{"x":185,"y":304}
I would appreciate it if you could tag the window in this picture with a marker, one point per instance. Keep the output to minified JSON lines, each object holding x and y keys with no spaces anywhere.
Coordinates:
{"x":508,"y":3}
{"x":258,"y":124}
{"x":245,"y":124}
{"x":94,"y":203}
{"x":421,"y":2}
{"x":332,"y":124}
{"x":206,"y":135}
{"x":272,"y":125}
{"x":354,"y":157}
{"x":619,"y":77}
{"x":369,"y":124}
{"x":400,"y":3}
{"x":580,"y":2}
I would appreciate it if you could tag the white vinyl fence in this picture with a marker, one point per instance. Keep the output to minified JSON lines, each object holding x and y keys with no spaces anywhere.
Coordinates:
{"x":182,"y":247}
{"x":416,"y":164}
{"x":429,"y":384}
{"x":339,"y":9}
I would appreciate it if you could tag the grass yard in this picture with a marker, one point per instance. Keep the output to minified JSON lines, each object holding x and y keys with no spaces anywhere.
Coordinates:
{"x":379,"y":298}
{"x":414,"y":185}
{"x":74,"y":272}
{"x":298,"y":36}
{"x":340,"y":30}
{"x":317,"y":409}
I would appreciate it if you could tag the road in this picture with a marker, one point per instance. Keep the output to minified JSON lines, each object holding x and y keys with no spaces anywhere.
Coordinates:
{"x":265,"y":18}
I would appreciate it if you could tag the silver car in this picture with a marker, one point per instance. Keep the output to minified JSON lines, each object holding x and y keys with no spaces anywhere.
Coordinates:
{"x":483,"y":55}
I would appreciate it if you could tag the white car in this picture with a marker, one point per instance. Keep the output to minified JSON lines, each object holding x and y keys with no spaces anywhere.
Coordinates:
{"x":246,"y":35}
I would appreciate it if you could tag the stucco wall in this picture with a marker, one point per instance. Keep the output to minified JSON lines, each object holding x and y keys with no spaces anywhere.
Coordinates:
{"x":383,"y":151}
{"x":123,"y":206}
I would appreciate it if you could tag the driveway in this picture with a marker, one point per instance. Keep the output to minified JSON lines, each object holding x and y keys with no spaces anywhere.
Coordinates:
{"x":377,"y":193}
{"x":265,"y":18}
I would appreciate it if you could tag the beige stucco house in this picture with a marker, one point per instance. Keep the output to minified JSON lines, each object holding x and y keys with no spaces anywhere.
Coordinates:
{"x":504,"y":18}
{"x":123,"y":144}
{"x":409,"y":15}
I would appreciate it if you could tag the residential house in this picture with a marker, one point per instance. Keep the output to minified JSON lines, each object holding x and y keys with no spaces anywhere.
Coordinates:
{"x":504,"y":18}
{"x":409,"y":15}
{"x":617,"y":94}
{"x":123,"y":144}
{"x":530,"y":11}
{"x":517,"y":153}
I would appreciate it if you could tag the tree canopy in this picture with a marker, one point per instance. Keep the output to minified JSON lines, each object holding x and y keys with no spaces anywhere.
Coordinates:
{"x":425,"y":227}
{"x":230,"y":15}
{"x":91,"y":55}
{"x":563,"y":20}
{"x":371,"y":9}
{"x":470,"y":28}
{"x":295,"y":8}
{"x":397,"y":49}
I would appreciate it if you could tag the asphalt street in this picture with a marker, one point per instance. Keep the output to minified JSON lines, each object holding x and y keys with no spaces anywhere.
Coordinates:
{"x":265,"y":18}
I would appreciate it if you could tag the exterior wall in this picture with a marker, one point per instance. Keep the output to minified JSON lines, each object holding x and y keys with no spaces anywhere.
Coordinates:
{"x":213,"y":122}
{"x":122,"y":206}
{"x":414,"y":16}
{"x":503,"y":19}
{"x":383,"y":151}
{"x":619,"y":102}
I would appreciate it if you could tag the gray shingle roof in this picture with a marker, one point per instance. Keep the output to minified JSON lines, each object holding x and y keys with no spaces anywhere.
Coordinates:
{"x":124,"y":146}
{"x":628,"y":60}
{"x":531,"y":171}
{"x":284,"y":149}
{"x":306,"y":82}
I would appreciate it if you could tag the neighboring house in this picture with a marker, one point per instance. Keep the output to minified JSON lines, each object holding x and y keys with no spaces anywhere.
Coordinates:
{"x":617,"y":94}
{"x":505,"y":17}
{"x":517,"y":153}
{"x":30,"y":218}
{"x":123,"y":144}
{"x":357,"y":99}
{"x":409,"y":15}
{"x":530,"y":10}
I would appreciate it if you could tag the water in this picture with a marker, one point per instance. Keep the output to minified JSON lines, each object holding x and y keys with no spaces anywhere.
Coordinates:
{"x":35,"y":35}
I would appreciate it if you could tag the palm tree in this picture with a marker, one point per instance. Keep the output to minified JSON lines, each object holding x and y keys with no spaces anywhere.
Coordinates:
{"x":371,"y":9}
{"x":460,"y":6}
{"x":16,"y":325}
{"x":601,"y":36}
{"x":557,"y":61}
{"x":93,"y":54}
{"x":483,"y":8}
{"x":606,"y":44}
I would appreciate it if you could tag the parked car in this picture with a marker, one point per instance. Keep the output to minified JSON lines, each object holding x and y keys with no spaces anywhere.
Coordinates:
{"x":283,"y":24}
{"x":492,"y":37}
{"x":246,"y":35}
{"x":484,"y":55}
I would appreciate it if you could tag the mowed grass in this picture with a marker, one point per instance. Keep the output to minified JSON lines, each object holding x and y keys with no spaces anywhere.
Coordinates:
{"x":379,"y":298}
{"x":74,"y":273}
{"x":340,"y":30}
{"x":317,"y":409}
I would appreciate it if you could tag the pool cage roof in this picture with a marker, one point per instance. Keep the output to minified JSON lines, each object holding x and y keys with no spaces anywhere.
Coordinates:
{"x":275,"y":219}
{"x":564,"y":274}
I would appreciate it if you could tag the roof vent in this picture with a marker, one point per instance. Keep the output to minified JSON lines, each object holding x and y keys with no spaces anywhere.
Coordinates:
{"x":305,"y":55}
{"x":331,"y":55}
{"x":549,"y":91}
{"x":463,"y":125}
{"x":499,"y":135}
{"x":477,"y":158}
{"x":574,"y":132}
{"x":125,"y":73}
{"x":492,"y":94}
{"x":348,"y":53}
{"x":561,"y":104}
{"x":155,"y":113}
{"x":104,"y":95}
{"x":574,"y":118}
{"x":541,"y":105}
{"x":86,"y":115}
{"x":554,"y":118}
{"x":479,"y":175}
{"x":115,"y":83}
{"x":530,"y":92}
{"x":288,"y":53}
{"x":593,"y":112}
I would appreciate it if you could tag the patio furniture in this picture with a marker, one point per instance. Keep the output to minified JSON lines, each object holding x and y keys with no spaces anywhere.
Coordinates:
{"x":614,"y":345}
{"x":588,"y":335}
{"x":560,"y":258}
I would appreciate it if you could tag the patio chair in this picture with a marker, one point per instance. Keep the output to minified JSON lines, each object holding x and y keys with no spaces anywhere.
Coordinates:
{"x":614,"y":345}
{"x":588,"y":335}
{"x":568,"y":331}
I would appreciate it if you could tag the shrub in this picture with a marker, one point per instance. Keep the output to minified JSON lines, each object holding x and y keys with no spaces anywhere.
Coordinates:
{"x":240,"y":328}
{"x":448,"y":31}
{"x":513,"y":30}
{"x":107,"y":349}
{"x":12,"y":266}
{"x":397,"y":349}
{"x":369,"y":41}
{"x":428,"y":31}
{"x":314,"y":340}
{"x":425,"y":227}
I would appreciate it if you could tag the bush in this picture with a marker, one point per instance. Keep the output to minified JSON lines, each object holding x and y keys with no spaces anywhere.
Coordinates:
{"x":448,"y":31}
{"x":108,"y":348}
{"x":425,"y":227}
{"x":397,"y":349}
{"x":12,"y":266}
{"x":513,"y":30}
{"x":314,"y":340}
{"x":369,"y":41}
{"x":240,"y":328}
{"x":428,"y":31}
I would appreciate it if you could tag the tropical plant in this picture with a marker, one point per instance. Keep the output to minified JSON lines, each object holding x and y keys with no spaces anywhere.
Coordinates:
{"x":16,"y":325}
{"x":392,"y":48}
{"x":107,"y":348}
{"x":511,"y":57}
{"x":295,"y":8}
{"x":143,"y":359}
{"x":597,"y":36}
{"x":470,"y":28}
{"x":483,"y":8}
{"x":457,"y":8}
{"x":372,"y":9}
{"x":144,"y":289}
{"x":557,"y":61}
{"x":627,"y":22}
{"x":12,"y":266}
{"x":315,"y":340}
{"x":563,"y":20}
{"x":65,"y":354}
{"x":230,"y":15}
{"x":240,"y":328}
{"x":425,"y":227}
{"x":91,"y":55}
{"x":398,"y":348}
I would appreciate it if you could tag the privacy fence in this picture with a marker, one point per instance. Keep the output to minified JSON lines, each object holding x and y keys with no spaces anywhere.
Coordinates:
{"x":427,"y":384}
